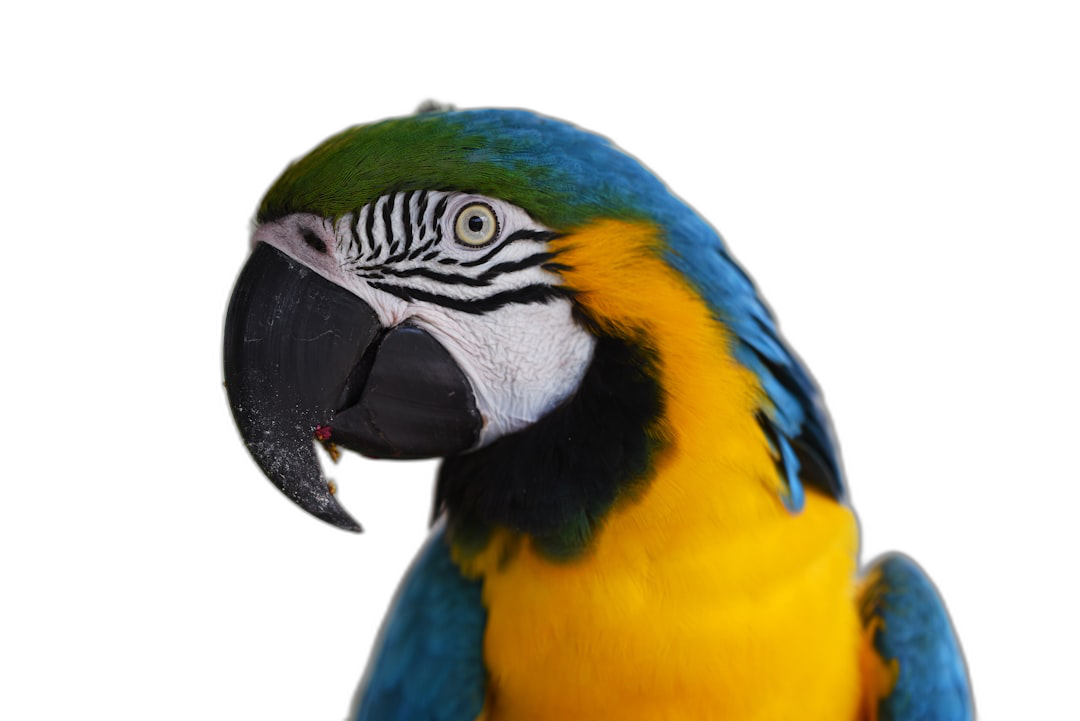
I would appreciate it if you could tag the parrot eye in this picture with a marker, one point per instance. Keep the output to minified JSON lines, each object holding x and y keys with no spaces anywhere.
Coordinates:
{"x":476,"y":225}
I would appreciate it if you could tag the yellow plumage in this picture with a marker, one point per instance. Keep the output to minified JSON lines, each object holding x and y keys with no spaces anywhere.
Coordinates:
{"x":702,"y":597}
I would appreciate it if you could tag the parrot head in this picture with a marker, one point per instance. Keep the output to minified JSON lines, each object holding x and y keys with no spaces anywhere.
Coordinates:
{"x":516,"y":296}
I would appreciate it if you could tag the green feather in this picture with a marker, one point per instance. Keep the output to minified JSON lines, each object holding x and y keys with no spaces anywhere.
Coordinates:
{"x":433,"y":151}
{"x":561,"y":175}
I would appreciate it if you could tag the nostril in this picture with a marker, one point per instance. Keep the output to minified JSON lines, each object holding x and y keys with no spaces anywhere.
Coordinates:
{"x":313,"y":240}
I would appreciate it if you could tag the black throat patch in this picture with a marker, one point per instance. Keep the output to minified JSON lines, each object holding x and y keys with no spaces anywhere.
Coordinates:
{"x":557,"y":479}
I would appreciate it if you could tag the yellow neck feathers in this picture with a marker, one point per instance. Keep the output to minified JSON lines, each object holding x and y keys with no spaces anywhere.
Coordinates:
{"x":703,"y":597}
{"x":710,"y":399}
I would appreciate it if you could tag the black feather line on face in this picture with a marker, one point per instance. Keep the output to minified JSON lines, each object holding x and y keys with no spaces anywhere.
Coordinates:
{"x":388,"y":221}
{"x":406,"y":220}
{"x":369,"y":232}
{"x":354,"y":228}
{"x":541,"y":236}
{"x":537,"y":293}
{"x":421,"y":206}
{"x":557,"y":479}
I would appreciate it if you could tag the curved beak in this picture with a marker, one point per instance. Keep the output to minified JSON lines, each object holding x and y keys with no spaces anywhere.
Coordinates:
{"x":306,"y":361}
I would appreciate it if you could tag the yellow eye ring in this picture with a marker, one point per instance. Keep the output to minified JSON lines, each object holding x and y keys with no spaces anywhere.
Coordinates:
{"x":476,"y":225}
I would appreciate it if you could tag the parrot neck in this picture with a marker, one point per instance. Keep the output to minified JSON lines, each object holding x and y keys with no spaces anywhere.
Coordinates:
{"x":665,"y":423}
{"x":696,"y":592}
{"x":553,"y":480}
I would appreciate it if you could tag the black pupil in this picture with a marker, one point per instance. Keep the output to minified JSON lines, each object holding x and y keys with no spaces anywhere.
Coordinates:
{"x":476,"y":223}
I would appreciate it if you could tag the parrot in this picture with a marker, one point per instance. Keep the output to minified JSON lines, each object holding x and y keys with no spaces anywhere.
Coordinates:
{"x":640,"y":510}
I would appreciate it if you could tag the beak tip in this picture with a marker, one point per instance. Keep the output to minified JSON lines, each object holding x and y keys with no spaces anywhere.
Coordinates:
{"x":351,"y":526}
{"x":338,"y":517}
{"x":317,"y":499}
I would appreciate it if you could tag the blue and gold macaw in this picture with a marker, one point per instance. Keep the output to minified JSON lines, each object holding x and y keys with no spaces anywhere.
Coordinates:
{"x":640,"y":512}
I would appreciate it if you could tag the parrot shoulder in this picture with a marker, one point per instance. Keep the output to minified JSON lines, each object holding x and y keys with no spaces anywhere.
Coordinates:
{"x":911,"y":660}
{"x":427,"y":664}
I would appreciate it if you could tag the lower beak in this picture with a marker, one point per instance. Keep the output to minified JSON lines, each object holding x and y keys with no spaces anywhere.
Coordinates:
{"x":307,"y":360}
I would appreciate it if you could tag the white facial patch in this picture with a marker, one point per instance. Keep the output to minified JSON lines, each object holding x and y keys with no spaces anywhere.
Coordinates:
{"x":435,"y":260}
{"x":522,"y":360}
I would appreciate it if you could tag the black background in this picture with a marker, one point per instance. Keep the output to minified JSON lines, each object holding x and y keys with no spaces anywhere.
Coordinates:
{"x":845,"y":196}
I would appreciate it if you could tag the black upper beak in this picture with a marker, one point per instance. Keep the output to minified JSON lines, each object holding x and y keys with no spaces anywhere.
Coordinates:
{"x":307,"y":359}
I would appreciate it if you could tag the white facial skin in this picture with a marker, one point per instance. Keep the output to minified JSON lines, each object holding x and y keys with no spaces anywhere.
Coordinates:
{"x":522,"y":358}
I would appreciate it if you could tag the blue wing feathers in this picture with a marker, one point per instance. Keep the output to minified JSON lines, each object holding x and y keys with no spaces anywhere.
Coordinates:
{"x":932,"y":684}
{"x":428,"y":662}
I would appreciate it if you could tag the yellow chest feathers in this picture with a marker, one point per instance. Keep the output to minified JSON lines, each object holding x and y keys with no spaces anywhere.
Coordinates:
{"x":702,"y":597}
{"x":762,"y":626}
